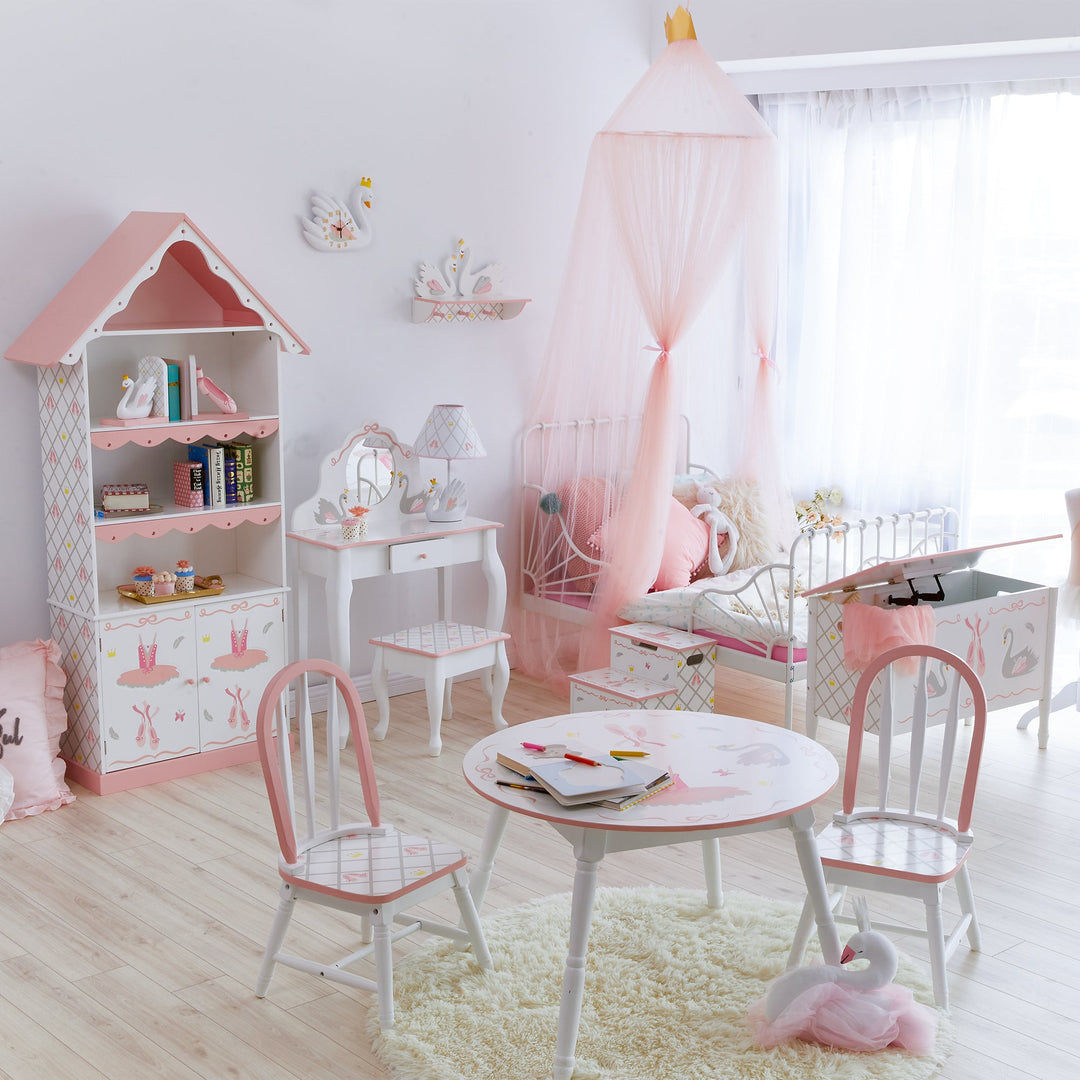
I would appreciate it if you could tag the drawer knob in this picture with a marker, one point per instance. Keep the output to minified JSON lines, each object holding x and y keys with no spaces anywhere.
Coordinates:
{"x":423,"y":555}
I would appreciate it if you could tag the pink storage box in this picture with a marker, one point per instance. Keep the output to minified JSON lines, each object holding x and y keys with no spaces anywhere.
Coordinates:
{"x":188,"y":484}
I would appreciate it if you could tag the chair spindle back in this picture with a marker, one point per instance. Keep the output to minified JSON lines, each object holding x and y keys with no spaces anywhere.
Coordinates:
{"x":307,"y":805}
{"x":892,"y":666}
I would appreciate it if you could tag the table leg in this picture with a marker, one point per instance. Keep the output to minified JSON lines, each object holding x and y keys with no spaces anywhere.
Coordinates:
{"x":493,"y":834}
{"x":802,"y":827}
{"x":710,"y":857}
{"x":338,"y":605}
{"x":590,"y":850}
{"x":495,"y":576}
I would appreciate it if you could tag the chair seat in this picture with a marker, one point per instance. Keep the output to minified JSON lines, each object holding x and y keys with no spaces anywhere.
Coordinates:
{"x":358,"y":866}
{"x":439,"y":638}
{"x":893,"y":848}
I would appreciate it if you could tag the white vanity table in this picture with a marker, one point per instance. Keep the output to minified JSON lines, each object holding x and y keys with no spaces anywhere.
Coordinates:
{"x":373,"y":468}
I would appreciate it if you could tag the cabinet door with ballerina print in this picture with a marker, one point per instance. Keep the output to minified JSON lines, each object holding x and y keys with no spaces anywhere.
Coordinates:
{"x":240,"y":645}
{"x":149,"y":690}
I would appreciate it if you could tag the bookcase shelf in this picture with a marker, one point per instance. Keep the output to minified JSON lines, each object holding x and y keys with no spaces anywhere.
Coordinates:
{"x":149,"y":687}
{"x":220,"y":428}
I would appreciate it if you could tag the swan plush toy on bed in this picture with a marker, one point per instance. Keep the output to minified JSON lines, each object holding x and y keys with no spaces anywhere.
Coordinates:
{"x":708,"y":509}
{"x":852,"y":1010}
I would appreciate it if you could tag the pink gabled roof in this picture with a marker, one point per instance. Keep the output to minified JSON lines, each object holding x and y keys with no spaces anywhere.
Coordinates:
{"x":116,"y":285}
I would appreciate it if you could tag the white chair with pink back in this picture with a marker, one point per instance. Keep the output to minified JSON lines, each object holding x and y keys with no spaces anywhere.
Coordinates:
{"x":912,"y":837}
{"x":331,"y":858}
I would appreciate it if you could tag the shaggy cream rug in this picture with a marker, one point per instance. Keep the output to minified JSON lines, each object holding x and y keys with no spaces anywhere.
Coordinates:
{"x":668,"y":986}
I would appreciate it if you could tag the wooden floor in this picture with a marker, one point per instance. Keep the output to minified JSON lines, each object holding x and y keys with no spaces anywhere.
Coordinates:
{"x":131,"y":925}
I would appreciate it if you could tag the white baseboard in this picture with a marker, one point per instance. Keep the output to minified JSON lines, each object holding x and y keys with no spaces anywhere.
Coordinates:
{"x":397,"y":684}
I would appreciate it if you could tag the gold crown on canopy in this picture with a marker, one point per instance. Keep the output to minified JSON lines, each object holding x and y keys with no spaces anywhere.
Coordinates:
{"x":365,"y":181}
{"x":679,"y":26}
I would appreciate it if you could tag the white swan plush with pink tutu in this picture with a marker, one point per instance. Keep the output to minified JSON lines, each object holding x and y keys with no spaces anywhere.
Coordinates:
{"x":846,"y":1008}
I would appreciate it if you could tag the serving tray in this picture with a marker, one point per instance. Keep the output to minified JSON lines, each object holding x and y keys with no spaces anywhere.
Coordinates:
{"x":204,"y":586}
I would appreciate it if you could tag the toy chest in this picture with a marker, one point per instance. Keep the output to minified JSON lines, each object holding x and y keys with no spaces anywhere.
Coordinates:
{"x":1003,"y":627}
{"x":652,"y":667}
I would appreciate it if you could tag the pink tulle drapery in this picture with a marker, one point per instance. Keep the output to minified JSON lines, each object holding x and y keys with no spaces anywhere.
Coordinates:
{"x":680,"y":187}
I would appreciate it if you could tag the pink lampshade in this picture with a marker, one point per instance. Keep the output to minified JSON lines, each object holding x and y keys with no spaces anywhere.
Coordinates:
{"x":449,"y":433}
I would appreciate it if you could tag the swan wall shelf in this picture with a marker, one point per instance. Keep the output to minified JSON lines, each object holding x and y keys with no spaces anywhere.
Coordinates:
{"x":458,"y":291}
{"x":337,"y":226}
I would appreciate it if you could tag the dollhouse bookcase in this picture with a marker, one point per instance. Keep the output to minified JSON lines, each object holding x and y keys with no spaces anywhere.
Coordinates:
{"x":163,"y":687}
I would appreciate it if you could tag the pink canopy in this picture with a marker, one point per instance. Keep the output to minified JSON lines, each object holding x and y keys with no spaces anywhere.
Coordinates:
{"x":680,"y":187}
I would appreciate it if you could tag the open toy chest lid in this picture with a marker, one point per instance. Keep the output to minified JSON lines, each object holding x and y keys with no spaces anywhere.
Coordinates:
{"x":917,"y":567}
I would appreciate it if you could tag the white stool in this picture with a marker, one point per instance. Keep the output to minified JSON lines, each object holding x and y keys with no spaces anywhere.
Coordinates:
{"x":437,"y":652}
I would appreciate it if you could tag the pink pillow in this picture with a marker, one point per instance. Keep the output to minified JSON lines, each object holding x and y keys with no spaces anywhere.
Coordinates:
{"x":585,"y":504}
{"x":686,"y":548}
{"x":32,"y":719}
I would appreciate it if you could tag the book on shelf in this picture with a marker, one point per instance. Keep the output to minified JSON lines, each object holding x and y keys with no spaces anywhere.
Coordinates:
{"x":188,"y":485}
{"x":173,"y":374}
{"x":201,"y":453}
{"x":125,"y":496}
{"x":189,"y":394}
{"x":230,"y":479}
{"x":594,"y":778}
{"x":217,"y":475}
{"x":244,"y":456}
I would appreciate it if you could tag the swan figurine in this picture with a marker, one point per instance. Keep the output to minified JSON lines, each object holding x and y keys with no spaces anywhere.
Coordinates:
{"x":138,"y":398}
{"x":436,"y":284}
{"x":334,"y":226}
{"x":486,"y":281}
{"x":851,"y":1009}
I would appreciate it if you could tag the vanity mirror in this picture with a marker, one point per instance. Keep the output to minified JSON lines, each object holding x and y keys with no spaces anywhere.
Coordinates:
{"x":371,"y":468}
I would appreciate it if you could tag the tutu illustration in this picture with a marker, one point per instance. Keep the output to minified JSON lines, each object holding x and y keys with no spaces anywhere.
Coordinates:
{"x":149,"y":672}
{"x":241,"y":657}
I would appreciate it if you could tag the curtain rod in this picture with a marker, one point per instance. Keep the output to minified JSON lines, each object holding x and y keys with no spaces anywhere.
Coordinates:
{"x":926,"y":65}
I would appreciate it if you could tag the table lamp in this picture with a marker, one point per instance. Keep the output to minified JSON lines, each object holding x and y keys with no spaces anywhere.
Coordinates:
{"x":448,"y":433}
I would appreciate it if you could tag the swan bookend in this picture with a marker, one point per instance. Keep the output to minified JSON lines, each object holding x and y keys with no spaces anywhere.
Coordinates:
{"x":138,"y":398}
{"x":850,"y":1009}
{"x":335,"y":226}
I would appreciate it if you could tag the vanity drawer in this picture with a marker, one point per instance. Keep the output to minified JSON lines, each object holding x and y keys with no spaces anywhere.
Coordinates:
{"x":422,"y":555}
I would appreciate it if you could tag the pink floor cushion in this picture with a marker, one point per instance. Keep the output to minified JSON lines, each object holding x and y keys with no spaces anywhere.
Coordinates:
{"x":32,"y":719}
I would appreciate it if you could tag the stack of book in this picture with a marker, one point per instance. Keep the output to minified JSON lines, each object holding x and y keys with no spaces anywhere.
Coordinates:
{"x":580,"y":776}
{"x":228,"y":471}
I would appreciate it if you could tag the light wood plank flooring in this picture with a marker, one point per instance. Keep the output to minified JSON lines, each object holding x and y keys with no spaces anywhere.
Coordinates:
{"x":131,"y":925}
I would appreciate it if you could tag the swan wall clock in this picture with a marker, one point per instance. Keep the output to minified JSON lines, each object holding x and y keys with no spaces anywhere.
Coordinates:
{"x":338,"y":226}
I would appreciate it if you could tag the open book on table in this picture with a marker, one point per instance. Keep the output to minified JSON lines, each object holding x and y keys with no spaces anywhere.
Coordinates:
{"x":570,"y":782}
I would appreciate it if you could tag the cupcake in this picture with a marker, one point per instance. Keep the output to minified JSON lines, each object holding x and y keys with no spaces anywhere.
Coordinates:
{"x":164,"y":583}
{"x":144,"y":580}
{"x":185,"y":576}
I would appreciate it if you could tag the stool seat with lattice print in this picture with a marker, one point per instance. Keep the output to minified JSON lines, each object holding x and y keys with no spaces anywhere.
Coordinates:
{"x":436,"y":652}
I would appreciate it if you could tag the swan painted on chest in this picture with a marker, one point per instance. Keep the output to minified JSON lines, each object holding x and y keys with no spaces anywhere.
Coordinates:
{"x":337,"y":226}
{"x":138,"y":398}
{"x":1019,"y":663}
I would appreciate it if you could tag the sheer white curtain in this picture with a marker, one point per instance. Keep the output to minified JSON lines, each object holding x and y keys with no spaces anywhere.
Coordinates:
{"x":931,"y":310}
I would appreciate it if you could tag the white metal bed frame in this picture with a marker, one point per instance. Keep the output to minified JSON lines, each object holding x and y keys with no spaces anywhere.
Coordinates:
{"x":768,"y":597}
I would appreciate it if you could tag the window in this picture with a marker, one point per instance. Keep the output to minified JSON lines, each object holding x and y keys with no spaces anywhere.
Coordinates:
{"x":931,"y":309}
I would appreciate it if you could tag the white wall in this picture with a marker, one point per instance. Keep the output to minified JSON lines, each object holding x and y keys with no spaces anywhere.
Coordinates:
{"x":473,"y":117}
